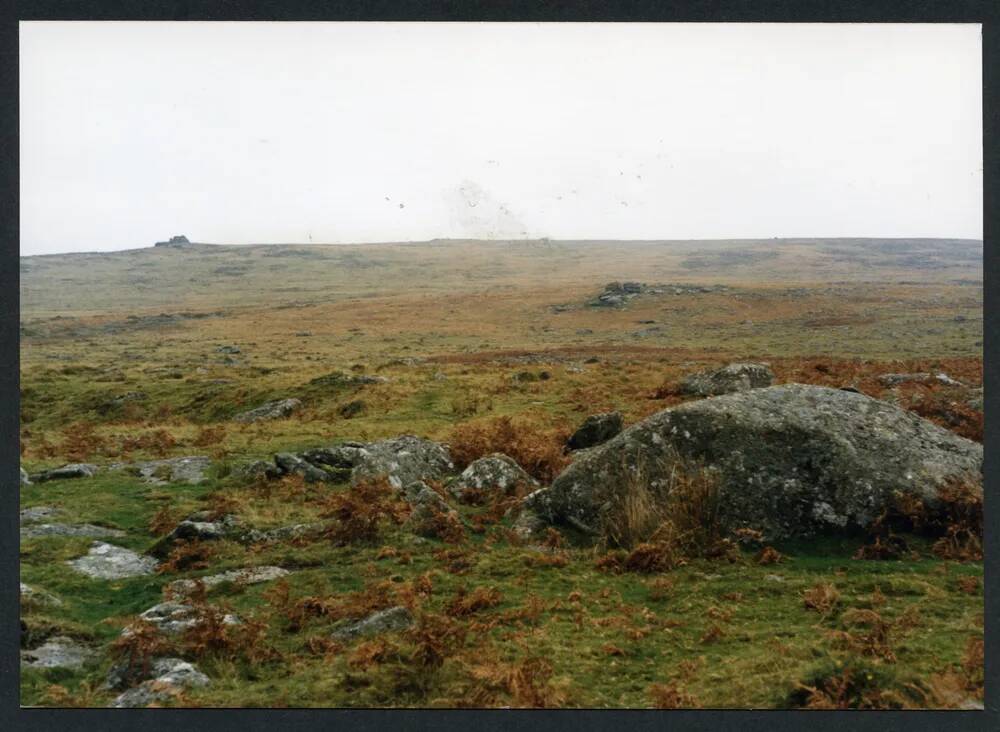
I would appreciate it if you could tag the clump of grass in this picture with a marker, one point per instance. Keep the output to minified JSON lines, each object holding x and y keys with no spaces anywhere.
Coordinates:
{"x":769,"y":555}
{"x":857,"y":684}
{"x":466,"y":603}
{"x":187,"y":555}
{"x":867,"y":633}
{"x":822,"y":598}
{"x":671,"y":696}
{"x":526,"y":684}
{"x":537,"y":449}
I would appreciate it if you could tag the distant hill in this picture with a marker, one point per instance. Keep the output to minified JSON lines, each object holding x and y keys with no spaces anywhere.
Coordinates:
{"x":212,"y":275}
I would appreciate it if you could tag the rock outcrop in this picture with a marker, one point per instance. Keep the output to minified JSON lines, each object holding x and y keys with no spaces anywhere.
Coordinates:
{"x":731,"y":378}
{"x":789,"y":460}
{"x":597,"y":428}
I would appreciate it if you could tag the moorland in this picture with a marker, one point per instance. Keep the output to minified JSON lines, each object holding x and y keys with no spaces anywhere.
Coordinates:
{"x":131,"y":360}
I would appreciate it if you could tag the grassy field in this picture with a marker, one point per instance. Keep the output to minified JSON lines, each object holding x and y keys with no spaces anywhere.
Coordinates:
{"x":131,"y":355}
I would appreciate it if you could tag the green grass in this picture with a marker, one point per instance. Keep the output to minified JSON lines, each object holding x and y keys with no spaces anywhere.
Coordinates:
{"x":770,"y":640}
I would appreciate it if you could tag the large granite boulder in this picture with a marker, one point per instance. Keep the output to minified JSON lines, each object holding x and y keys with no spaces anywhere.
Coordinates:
{"x":789,"y":460}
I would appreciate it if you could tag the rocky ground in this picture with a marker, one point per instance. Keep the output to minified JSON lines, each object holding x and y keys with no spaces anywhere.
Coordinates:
{"x":456,"y":519}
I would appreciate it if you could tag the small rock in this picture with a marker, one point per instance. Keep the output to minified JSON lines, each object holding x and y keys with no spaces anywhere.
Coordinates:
{"x":25,"y":480}
{"x":248,"y":576}
{"x":597,"y":428}
{"x":107,"y":561}
{"x":496,"y":472}
{"x":256,"y":470}
{"x":41,"y":597}
{"x":289,"y":463}
{"x":189,"y":469}
{"x":270,"y":410}
{"x":383,"y":621}
{"x":174,"y":671}
{"x":922,"y":378}
{"x":175,"y":617}
{"x":73,"y":470}
{"x":39,"y":513}
{"x":428,"y":507}
{"x":351,"y":409}
{"x":774,"y":578}
{"x":58,"y":652}
{"x":36,"y":530}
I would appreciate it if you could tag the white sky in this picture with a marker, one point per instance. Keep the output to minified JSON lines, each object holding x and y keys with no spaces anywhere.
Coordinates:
{"x":351,"y":132}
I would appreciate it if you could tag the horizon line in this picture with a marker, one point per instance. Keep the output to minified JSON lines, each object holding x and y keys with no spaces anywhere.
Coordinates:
{"x":523,"y":240}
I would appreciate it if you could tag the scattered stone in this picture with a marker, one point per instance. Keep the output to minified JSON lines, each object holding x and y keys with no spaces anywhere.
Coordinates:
{"x":248,"y":576}
{"x":228,"y":349}
{"x":790,"y":460}
{"x":428,"y":507}
{"x":921,"y":378}
{"x":175,"y":671}
{"x":597,"y":428}
{"x":175,"y":617}
{"x":270,"y":410}
{"x":496,"y":472}
{"x":39,"y":513}
{"x":289,"y":463}
{"x":107,"y":561}
{"x":190,"y":469}
{"x":57,"y":652}
{"x":256,"y":470}
{"x":351,"y":409}
{"x":36,"y":530}
{"x":73,"y":470}
{"x":284,"y":533}
{"x":33,"y":595}
{"x":25,"y":479}
{"x":735,"y":377}
{"x":774,"y":578}
{"x":975,"y":399}
{"x":383,"y":621}
{"x":197,"y":527}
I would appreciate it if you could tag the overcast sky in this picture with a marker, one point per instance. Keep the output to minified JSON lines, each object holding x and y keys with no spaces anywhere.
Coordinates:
{"x":344,"y":132}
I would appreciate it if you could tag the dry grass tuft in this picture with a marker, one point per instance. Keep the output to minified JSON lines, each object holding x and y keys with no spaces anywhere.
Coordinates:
{"x":536,"y":448}
{"x":822,"y":598}
{"x":466,"y":603}
{"x":672,"y":696}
